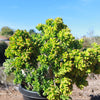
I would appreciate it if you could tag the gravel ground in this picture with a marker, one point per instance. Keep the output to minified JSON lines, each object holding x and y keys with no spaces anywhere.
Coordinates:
{"x":91,"y":92}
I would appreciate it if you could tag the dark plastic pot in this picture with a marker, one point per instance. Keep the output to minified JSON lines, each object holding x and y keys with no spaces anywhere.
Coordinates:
{"x":29,"y":95}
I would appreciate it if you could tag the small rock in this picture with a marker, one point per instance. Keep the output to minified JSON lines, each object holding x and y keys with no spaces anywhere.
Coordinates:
{"x":92,"y":90}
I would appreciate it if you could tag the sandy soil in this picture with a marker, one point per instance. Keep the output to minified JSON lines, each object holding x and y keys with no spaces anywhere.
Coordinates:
{"x":10,"y":94}
{"x":91,"y":92}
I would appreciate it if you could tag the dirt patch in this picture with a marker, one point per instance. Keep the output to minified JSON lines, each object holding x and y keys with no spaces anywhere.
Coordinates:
{"x":91,"y":92}
{"x":10,"y":93}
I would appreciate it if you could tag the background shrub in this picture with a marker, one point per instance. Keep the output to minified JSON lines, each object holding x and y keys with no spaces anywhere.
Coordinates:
{"x":6,"y":31}
{"x":3,"y":46}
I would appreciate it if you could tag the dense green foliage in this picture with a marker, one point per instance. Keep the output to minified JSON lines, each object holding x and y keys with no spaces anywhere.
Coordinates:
{"x":6,"y":31}
{"x":3,"y":46}
{"x":23,"y":51}
{"x":52,"y":62}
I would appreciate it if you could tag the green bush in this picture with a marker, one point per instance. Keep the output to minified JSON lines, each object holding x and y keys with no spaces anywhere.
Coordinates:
{"x":52,"y":62}
{"x":6,"y":31}
{"x":3,"y":46}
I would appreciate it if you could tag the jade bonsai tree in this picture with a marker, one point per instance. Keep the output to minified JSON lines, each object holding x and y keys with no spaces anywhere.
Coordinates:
{"x":51,"y":62}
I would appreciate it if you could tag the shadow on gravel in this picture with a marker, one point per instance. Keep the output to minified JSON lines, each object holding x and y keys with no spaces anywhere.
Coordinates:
{"x":96,"y":97}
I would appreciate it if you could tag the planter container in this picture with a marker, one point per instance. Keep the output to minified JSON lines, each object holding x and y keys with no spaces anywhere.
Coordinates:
{"x":30,"y":95}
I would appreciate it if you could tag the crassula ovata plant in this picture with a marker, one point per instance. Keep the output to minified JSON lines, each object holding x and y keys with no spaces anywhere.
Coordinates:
{"x":51,"y":62}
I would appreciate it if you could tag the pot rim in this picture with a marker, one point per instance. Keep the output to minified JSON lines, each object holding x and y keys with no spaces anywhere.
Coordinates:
{"x":30,"y":94}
